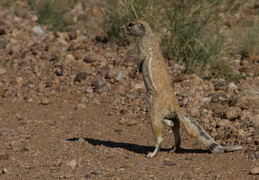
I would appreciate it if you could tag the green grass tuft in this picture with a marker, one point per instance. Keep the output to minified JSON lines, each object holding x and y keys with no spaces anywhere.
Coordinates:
{"x":118,"y":12}
{"x":250,"y":42}
{"x":51,"y":13}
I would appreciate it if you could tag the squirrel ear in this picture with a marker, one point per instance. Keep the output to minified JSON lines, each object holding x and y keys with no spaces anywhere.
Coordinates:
{"x":142,"y":26}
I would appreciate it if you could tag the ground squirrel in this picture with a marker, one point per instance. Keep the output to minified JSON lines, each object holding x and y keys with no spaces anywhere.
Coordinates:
{"x":164,"y":105}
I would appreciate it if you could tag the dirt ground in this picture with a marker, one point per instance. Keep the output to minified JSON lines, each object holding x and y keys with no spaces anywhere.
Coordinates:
{"x":69,"y":110}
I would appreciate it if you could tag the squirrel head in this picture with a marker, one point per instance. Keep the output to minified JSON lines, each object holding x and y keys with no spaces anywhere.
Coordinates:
{"x":136,"y":28}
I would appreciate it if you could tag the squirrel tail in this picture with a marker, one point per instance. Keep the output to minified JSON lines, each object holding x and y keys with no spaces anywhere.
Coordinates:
{"x":196,"y":131}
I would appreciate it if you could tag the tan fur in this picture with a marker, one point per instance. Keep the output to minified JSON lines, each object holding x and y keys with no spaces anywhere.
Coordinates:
{"x":164,"y":105}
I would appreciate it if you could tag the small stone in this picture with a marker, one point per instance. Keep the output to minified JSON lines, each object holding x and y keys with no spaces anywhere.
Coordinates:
{"x":119,"y":76}
{"x":77,"y":55}
{"x":233,"y":113}
{"x":219,"y":97}
{"x":30,"y":100}
{"x":84,"y":99}
{"x":92,"y":57}
{"x":176,"y":176}
{"x":5,"y":171}
{"x":119,"y":89}
{"x":45,"y":101}
{"x":2,"y":71}
{"x":81,"y":140}
{"x":223,"y":123}
{"x":195,"y":112}
{"x":89,"y":90}
{"x":241,"y":132}
{"x":232,"y":87}
{"x":7,"y":93}
{"x":249,"y":140}
{"x":72,"y":163}
{"x":112,"y":73}
{"x":138,"y":86}
{"x":38,"y":31}
{"x":255,"y":171}
{"x":69,"y":58}
{"x":19,"y":80}
{"x":80,"y":106}
{"x":80,"y":76}
{"x":98,"y":83}
{"x":218,"y":112}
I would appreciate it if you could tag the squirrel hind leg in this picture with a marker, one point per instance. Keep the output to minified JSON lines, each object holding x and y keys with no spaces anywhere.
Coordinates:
{"x":175,"y":125}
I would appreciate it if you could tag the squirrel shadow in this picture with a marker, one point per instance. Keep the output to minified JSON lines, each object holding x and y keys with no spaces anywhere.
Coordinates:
{"x":134,"y":147}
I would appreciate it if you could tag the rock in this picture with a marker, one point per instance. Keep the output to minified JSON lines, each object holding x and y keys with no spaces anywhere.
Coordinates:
{"x":5,"y":171}
{"x":2,"y":71}
{"x":19,"y":80}
{"x":38,"y":31}
{"x":233,"y":113}
{"x":45,"y":101}
{"x":206,"y":99}
{"x":92,"y":57}
{"x":119,"y":89}
{"x":72,"y":163}
{"x":241,"y":132}
{"x":112,"y":73}
{"x":80,"y":76}
{"x":176,"y":176}
{"x":223,"y":123}
{"x":89,"y":90}
{"x":83,"y":99}
{"x":137,"y":86}
{"x":255,"y":171}
{"x":69,"y":58}
{"x":77,"y":55}
{"x":195,"y":112}
{"x":119,"y":76}
{"x":7,"y":93}
{"x":30,"y":100}
{"x":219,"y":112}
{"x":80,"y":106}
{"x":255,"y":122}
{"x":248,"y":99}
{"x":232,"y":87}
{"x":98,"y":84}
{"x":219,"y":97}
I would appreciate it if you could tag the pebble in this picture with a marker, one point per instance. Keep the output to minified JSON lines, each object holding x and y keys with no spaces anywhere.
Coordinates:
{"x":19,"y":80}
{"x":80,"y":76}
{"x":223,"y":123}
{"x":83,"y":99}
{"x":255,"y":171}
{"x":2,"y":71}
{"x":233,"y":113}
{"x":38,"y":31}
{"x":5,"y":171}
{"x":176,"y":176}
{"x":45,"y":101}
{"x":80,"y":106}
{"x":119,"y":89}
{"x":72,"y":163}
{"x":92,"y":57}
{"x":89,"y":90}
{"x":195,"y":112}
{"x":218,"y":112}
{"x":113,"y":73}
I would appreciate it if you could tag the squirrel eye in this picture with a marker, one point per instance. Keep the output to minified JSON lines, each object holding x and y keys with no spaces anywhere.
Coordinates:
{"x":131,"y":24}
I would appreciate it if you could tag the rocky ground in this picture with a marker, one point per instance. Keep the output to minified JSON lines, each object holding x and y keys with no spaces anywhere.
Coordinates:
{"x":70,"y":110}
